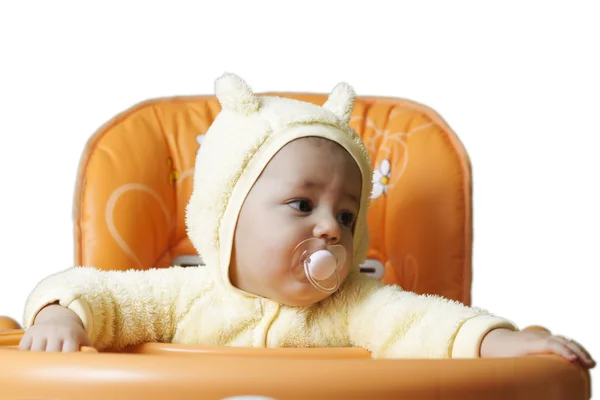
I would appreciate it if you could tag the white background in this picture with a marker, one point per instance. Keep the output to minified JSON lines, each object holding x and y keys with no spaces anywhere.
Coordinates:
{"x":519,"y":82}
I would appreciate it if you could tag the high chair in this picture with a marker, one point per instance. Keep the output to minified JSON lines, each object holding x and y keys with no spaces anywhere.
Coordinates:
{"x":133,"y":183}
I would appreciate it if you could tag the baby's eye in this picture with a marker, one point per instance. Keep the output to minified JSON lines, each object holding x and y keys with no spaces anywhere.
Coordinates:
{"x":346,"y":218}
{"x":301,"y":205}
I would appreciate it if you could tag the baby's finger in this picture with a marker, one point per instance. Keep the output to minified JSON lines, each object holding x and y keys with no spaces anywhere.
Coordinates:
{"x":558,"y":347}
{"x":85,"y":341}
{"x":579,"y":350}
{"x":54,"y":344}
{"x":70,"y":345}
{"x":26,"y":341}
{"x":39,"y":344}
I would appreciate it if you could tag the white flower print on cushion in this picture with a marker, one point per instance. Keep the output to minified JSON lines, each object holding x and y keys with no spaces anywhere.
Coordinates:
{"x":381,"y":178}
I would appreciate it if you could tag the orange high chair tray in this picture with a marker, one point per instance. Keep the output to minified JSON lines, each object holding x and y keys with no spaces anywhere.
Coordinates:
{"x":134,"y":180}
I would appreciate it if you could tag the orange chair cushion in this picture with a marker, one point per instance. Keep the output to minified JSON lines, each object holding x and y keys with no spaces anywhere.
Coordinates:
{"x":135,"y":179}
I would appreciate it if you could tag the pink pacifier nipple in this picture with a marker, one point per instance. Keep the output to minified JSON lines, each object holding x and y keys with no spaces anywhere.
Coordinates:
{"x":319,"y":264}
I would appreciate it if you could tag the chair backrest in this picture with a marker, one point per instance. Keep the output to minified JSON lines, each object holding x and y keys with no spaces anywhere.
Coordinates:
{"x":135,"y":178}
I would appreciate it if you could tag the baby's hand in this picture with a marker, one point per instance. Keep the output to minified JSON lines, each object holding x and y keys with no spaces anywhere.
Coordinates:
{"x":507,"y":343}
{"x":56,"y":328}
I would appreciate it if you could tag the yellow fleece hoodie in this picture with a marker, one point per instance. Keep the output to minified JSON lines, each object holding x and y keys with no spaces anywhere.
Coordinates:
{"x":199,"y":305}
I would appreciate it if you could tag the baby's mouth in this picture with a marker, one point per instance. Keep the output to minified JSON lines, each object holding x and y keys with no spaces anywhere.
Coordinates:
{"x":315,"y":263}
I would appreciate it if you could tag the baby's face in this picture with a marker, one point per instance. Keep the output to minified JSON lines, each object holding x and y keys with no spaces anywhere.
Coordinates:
{"x":310,"y":189}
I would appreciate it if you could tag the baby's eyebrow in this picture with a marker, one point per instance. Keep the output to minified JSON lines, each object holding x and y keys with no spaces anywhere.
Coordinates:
{"x":353,"y":198}
{"x":311,"y":184}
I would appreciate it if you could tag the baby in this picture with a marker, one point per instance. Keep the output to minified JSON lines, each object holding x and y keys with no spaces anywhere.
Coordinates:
{"x":279,"y":214}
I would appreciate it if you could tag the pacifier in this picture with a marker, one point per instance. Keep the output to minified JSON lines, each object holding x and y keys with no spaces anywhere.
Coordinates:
{"x":319,"y":264}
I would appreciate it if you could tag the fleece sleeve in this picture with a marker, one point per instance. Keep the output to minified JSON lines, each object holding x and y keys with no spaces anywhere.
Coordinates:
{"x":119,"y":308}
{"x":394,"y":323}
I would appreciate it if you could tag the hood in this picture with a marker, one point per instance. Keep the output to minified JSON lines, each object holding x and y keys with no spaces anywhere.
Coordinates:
{"x":243,"y":138}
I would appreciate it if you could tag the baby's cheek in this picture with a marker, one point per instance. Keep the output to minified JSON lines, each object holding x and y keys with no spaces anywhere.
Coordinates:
{"x":276,"y":255}
{"x":348,"y":264}
{"x":349,"y":259}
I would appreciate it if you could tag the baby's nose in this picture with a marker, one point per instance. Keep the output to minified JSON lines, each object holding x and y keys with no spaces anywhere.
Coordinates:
{"x":328,"y":229}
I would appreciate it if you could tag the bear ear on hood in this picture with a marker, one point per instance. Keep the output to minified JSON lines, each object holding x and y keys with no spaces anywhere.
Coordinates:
{"x":235,"y":94}
{"x":341,"y":101}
